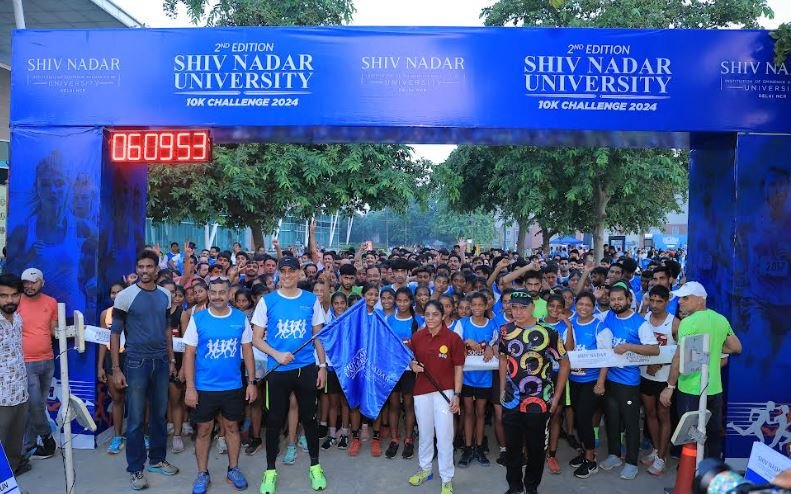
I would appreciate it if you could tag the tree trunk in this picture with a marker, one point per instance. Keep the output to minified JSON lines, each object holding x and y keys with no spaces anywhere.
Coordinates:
{"x":258,"y":236}
{"x":546,"y":235}
{"x":524,"y":231}
{"x":600,"y":200}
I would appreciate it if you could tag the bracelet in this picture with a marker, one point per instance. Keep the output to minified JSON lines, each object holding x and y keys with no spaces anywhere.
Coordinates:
{"x":323,"y":366}
{"x":252,"y":383}
{"x":670,"y":386}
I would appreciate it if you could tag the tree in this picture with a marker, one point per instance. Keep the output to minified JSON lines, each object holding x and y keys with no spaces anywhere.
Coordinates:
{"x":606,"y":178}
{"x":254,"y":185}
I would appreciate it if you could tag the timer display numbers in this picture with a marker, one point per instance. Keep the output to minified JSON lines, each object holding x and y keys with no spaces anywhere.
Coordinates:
{"x":160,"y":146}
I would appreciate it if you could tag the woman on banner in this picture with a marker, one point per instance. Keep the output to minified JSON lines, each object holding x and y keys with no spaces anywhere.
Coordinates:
{"x":439,"y":362}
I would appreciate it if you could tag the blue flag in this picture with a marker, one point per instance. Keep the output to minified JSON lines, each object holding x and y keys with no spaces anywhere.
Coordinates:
{"x":368,"y":357}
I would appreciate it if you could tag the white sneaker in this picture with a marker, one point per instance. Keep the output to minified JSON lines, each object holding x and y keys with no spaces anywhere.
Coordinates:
{"x":611,"y":462}
{"x":649,"y":458}
{"x":170,"y":428}
{"x":629,"y":472}
{"x":186,"y":429}
{"x":658,"y":467}
{"x":222,"y":446}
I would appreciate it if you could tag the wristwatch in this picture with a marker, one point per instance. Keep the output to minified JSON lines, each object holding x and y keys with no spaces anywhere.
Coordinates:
{"x":252,"y":383}
{"x":671,"y":386}
{"x":323,"y":366}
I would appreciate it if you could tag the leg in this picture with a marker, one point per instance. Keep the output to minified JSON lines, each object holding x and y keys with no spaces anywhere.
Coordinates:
{"x":409,"y":416}
{"x":136,"y":404}
{"x":665,"y":431}
{"x":424,"y":413}
{"x":278,"y":390}
{"x":257,"y":413}
{"x":157,"y":425}
{"x":345,"y":412}
{"x":535,"y":435}
{"x":554,"y":431}
{"x":175,"y":407}
{"x":713,"y":445}
{"x":469,"y":420}
{"x":613,"y":418}
{"x":39,"y":378}
{"x":12,"y":428}
{"x":118,"y":395}
{"x":630,"y":417}
{"x":334,"y":401}
{"x":514,"y":445}
{"x":443,"y":424}
{"x":650,"y":405}
{"x":305,"y":393}
{"x":393,"y":412}
{"x":202,"y":445}
{"x":233,"y":439}
{"x":293,"y":419}
{"x":499,"y":432}
{"x":583,"y":400}
{"x":480,"y":415}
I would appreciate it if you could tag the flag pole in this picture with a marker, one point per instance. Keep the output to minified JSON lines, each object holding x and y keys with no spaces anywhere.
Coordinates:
{"x":300,"y":347}
{"x":433,"y":381}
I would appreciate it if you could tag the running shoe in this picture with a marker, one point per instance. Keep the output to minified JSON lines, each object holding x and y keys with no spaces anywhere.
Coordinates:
{"x":138,"y":481}
{"x":164,"y":468}
{"x":269,"y":484}
{"x":354,"y":448}
{"x":303,"y":443}
{"x":376,"y":447}
{"x":447,"y":488}
{"x":328,"y":443}
{"x":392,"y":450}
{"x":577,"y":461}
{"x":253,"y":445}
{"x":466,"y":458}
{"x":554,"y":466}
{"x":323,"y":430}
{"x":178,"y":444}
{"x":222,"y":446}
{"x":291,"y":455}
{"x":409,"y":449}
{"x":501,"y":458}
{"x":317,"y":479}
{"x":343,"y":442}
{"x":629,"y":472}
{"x":587,"y":469}
{"x":235,"y":477}
{"x":611,"y":462}
{"x":658,"y":467}
{"x":116,"y":445}
{"x":421,"y":477}
{"x":649,"y":458}
{"x":201,"y":484}
{"x":480,"y":455}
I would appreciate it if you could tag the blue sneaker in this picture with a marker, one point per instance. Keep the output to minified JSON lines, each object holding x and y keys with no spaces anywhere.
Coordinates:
{"x":236,"y":478}
{"x":201,"y":484}
{"x":291,"y":455}
{"x":116,"y":445}
{"x":303,"y":443}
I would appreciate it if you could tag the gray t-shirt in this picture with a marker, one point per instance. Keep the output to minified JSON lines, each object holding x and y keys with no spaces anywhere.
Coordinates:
{"x":142,"y":315}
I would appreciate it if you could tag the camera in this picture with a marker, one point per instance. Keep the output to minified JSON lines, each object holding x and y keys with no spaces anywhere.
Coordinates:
{"x":715,"y":477}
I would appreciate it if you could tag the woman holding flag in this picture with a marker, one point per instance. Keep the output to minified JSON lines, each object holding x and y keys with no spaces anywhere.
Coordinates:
{"x":439,"y":360}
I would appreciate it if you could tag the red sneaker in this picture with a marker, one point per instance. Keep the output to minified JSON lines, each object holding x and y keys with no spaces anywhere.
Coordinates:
{"x":376,"y":448}
{"x":354,"y":447}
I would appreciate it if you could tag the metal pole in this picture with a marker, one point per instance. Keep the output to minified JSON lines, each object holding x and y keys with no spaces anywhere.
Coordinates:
{"x":19,"y":14}
{"x":702,"y":404}
{"x":65,"y":398}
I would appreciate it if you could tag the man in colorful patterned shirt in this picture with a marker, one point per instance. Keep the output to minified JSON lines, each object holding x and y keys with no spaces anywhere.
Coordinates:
{"x":530,"y":391}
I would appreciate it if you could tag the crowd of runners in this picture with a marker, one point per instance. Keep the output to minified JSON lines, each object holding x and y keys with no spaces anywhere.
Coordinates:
{"x":240,"y":314}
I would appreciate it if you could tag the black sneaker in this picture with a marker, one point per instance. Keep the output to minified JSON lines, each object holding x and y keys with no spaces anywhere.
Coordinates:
{"x":501,"y":458}
{"x":586,"y":469}
{"x":343,"y":442}
{"x":458,"y":442}
{"x":24,"y":466}
{"x":392,"y":450}
{"x":328,"y":443}
{"x":323,"y":430}
{"x":531,"y":490}
{"x":43,"y":452}
{"x":409,"y":450}
{"x":466,"y":457}
{"x":254,"y":444}
{"x":484,"y":445}
{"x":514,"y":490}
{"x":480,"y":455}
{"x":577,"y":461}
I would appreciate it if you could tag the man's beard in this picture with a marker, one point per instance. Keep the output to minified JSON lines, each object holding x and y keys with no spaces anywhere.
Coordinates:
{"x":32,"y":294}
{"x":621,"y":311}
{"x":9,"y":308}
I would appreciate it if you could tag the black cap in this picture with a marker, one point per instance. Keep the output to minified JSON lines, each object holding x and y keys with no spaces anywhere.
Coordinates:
{"x":288,"y":262}
{"x":521,"y":297}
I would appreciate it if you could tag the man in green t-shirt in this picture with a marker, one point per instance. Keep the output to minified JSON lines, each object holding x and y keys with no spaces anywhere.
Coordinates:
{"x":700,"y":320}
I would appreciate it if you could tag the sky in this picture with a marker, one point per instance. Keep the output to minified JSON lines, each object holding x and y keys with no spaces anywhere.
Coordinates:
{"x":400,"y":13}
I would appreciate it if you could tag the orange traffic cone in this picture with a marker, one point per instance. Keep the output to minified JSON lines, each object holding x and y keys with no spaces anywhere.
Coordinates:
{"x":686,"y":469}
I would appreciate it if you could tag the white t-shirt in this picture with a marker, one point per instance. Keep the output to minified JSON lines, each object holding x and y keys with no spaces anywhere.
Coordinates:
{"x":664,"y":335}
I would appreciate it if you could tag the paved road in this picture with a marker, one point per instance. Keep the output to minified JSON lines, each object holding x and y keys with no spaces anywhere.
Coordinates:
{"x":99,"y":473}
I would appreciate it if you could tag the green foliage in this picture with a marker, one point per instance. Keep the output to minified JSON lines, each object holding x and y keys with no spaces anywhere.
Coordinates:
{"x":782,"y":37}
{"x":265,"y":12}
{"x":689,"y":14}
{"x":256,"y":184}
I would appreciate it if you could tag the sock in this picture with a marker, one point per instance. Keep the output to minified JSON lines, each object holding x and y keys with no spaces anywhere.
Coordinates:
{"x":344,"y":431}
{"x":596,"y":432}
{"x":324,"y":423}
{"x":332,"y":432}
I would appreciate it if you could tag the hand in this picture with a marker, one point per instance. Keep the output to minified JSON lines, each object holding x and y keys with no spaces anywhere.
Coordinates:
{"x":454,"y":405}
{"x":101,"y":375}
{"x":275,"y":243}
{"x":182,"y":375}
{"x":313,"y":225}
{"x":488,"y":354}
{"x":118,"y":377}
{"x":598,"y":389}
{"x":157,"y":250}
{"x":416,"y":367}
{"x":653,"y":369}
{"x":473,"y":345}
{"x":173,"y":370}
{"x":553,"y":408}
{"x":191,"y":398}
{"x":666,"y":397}
{"x":284,"y":358}
{"x":251,"y":394}
{"x":621,"y":349}
{"x":598,"y":292}
{"x":321,"y":379}
{"x":503,"y":264}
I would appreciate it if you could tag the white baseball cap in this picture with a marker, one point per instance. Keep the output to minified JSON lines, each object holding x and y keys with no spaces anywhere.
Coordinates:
{"x":691,"y":288}
{"x":32,"y":275}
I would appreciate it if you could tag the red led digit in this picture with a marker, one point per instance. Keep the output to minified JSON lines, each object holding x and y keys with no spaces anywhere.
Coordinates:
{"x":183,"y":144}
{"x":201,"y":146}
{"x":134,"y":147}
{"x":118,"y":147}
{"x":150,"y":148}
{"x":166,"y":146}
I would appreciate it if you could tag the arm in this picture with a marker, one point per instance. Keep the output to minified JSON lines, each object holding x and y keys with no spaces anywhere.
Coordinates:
{"x":667,"y":394}
{"x":516,"y":274}
{"x":191,"y":395}
{"x":169,"y":340}
{"x":315,"y":255}
{"x":458,"y":379}
{"x":560,"y":387}
{"x":503,"y":370}
{"x":249,"y":364}
{"x":732,"y":345}
{"x":119,"y":324}
{"x":599,"y":387}
{"x":322,"y":377}
{"x":503,"y":264}
{"x":583,"y":280}
{"x":260,"y":343}
{"x":648,"y":350}
{"x":278,"y":250}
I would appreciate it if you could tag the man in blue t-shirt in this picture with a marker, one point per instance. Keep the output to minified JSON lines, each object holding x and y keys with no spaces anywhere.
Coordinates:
{"x":284,"y":322}
{"x":217,"y":341}
{"x":622,"y":330}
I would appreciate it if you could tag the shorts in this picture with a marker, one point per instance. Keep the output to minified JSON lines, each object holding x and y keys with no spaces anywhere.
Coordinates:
{"x":406,"y":384}
{"x":230,"y":403}
{"x":477,"y":393}
{"x":651,"y":388}
{"x":495,"y":396}
{"x":108,"y":362}
{"x":333,"y":386}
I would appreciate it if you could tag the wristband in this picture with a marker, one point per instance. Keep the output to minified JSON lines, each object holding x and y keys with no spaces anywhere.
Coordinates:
{"x":252,"y":383}
{"x":172,"y":361}
{"x":670,"y":386}
{"x":323,"y":366}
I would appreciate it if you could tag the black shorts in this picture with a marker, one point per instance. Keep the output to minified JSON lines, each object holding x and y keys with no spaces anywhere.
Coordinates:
{"x":651,"y":388}
{"x":230,"y":403}
{"x":477,"y":393}
{"x":108,"y":362}
{"x":406,"y":384}
{"x":333,"y":385}
{"x":495,"y":396}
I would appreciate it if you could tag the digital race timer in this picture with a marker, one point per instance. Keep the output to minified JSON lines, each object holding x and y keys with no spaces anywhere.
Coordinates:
{"x":160,"y":146}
